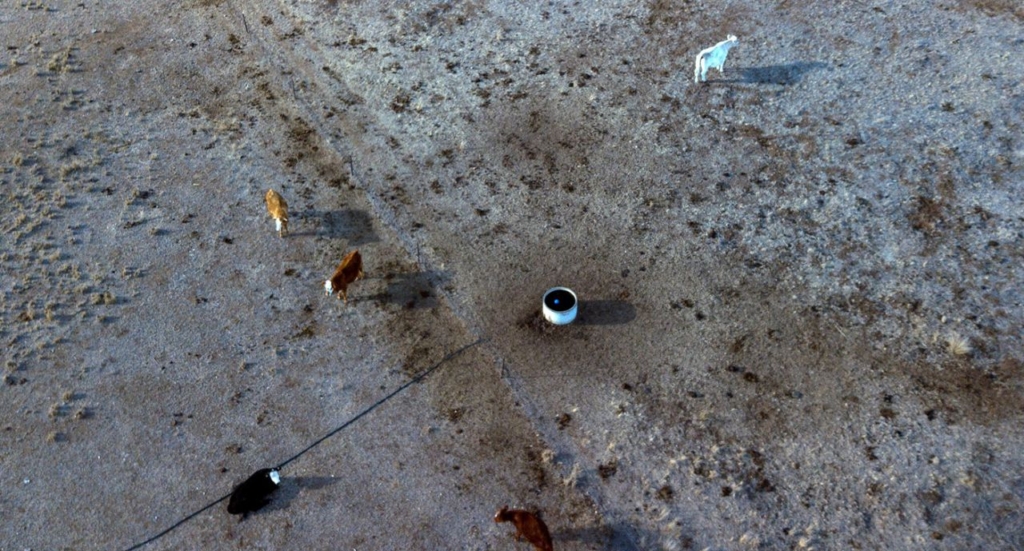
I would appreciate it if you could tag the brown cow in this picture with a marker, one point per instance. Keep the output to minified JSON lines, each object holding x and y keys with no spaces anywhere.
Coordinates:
{"x":350,"y":269}
{"x":528,"y":525}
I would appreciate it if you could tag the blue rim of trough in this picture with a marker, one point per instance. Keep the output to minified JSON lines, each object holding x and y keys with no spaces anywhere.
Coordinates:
{"x":559,"y":305}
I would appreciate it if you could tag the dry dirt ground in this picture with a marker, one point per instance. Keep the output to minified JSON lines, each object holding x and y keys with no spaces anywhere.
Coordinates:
{"x":800,"y":282}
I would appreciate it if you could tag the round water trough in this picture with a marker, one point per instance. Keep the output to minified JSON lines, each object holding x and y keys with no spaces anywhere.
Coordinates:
{"x":560,"y":305}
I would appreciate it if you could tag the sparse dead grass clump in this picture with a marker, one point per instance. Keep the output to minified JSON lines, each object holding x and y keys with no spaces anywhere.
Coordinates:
{"x":60,"y":62}
{"x":106,"y":298}
{"x":995,"y":8}
{"x":958,"y":345}
{"x":573,"y":477}
{"x":132,"y":196}
{"x":27,"y":315}
{"x":70,"y":270}
{"x":71,"y":168}
{"x":928,"y":216}
{"x":20,"y":219}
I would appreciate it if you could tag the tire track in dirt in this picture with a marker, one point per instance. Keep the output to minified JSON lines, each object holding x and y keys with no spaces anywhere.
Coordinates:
{"x":358,"y":132}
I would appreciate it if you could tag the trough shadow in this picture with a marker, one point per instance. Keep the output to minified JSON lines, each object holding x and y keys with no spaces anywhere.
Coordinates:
{"x":354,"y":225}
{"x":410,"y":290}
{"x":605,"y":312}
{"x":785,"y":75}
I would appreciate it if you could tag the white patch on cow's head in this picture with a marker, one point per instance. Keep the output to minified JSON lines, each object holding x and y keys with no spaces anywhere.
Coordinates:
{"x":275,"y":477}
{"x":328,"y":287}
{"x":278,"y":220}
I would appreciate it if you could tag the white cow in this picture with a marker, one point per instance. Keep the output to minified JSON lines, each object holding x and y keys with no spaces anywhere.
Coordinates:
{"x":713,"y":57}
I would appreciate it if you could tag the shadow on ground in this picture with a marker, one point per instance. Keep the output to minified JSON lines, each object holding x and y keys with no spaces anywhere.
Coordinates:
{"x":292,"y":486}
{"x":354,"y":225}
{"x":605,"y":312}
{"x":411,"y":290}
{"x":786,"y":74}
{"x":600,"y":536}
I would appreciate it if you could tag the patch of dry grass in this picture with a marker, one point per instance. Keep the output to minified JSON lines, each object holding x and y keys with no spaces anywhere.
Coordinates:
{"x":995,"y":8}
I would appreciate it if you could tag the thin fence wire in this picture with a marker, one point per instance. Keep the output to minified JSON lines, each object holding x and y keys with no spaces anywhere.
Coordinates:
{"x":422,"y":375}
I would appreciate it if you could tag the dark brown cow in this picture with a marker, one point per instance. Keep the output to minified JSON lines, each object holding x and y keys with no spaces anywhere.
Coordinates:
{"x":350,"y":269}
{"x":528,"y":525}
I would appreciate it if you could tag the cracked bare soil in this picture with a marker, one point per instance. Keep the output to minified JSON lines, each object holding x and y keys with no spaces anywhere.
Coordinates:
{"x":800,"y":282}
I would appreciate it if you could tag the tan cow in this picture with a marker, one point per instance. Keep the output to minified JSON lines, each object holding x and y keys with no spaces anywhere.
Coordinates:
{"x":278,"y":210}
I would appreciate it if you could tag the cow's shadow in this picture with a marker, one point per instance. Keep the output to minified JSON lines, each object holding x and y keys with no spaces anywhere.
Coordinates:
{"x":410,"y":290}
{"x":786,"y":74}
{"x":292,"y":486}
{"x":356,"y":226}
{"x":605,"y":536}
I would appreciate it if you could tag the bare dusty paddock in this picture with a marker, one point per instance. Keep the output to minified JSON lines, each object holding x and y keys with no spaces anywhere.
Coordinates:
{"x":799,"y":282}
